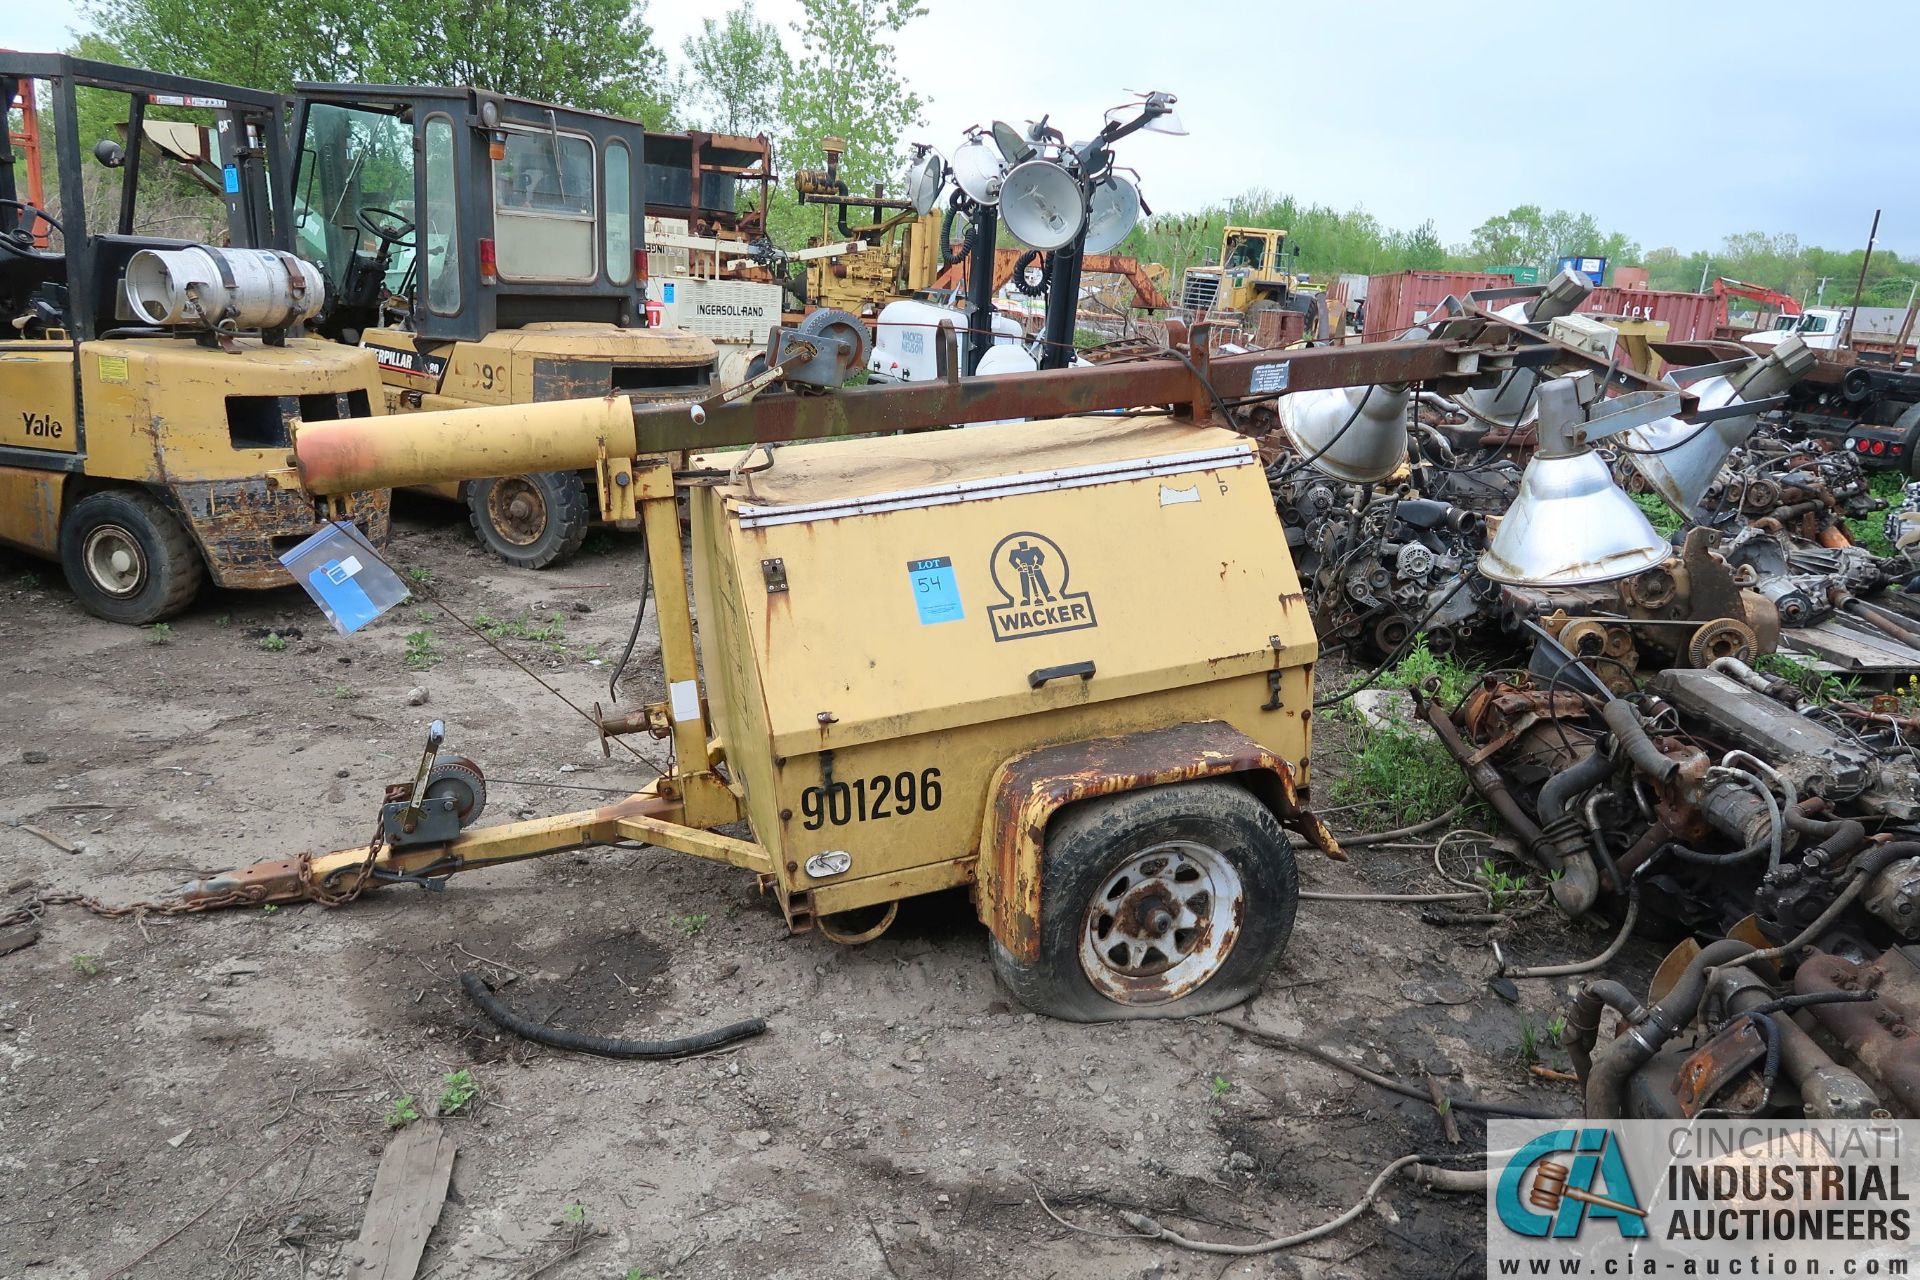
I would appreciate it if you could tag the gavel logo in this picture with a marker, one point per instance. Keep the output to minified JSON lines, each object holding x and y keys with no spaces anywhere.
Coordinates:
{"x":1550,"y":1188}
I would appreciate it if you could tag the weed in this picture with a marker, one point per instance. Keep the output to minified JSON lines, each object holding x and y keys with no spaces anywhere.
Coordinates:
{"x":224,"y":620}
{"x":1871,"y":532}
{"x":1529,"y":1042}
{"x":593,"y":652}
{"x":1398,"y":778}
{"x":694,"y":923}
{"x":1502,"y":888}
{"x":269,"y":909}
{"x":420,"y":573}
{"x":1818,"y":685}
{"x":1420,"y":664}
{"x":1219,"y":1087}
{"x":85,"y":965}
{"x":420,"y":650}
{"x":634,"y":1273}
{"x":575,"y":1215}
{"x":273,"y":642}
{"x":459,"y":1089}
{"x":160,"y":633}
{"x":402,"y":1112}
{"x":345,"y":692}
{"x":550,"y":633}
{"x":29,"y":580}
{"x":1556,"y":1027}
{"x":1665,"y":521}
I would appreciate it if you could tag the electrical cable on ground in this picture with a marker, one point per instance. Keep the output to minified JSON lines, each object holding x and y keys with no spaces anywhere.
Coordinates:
{"x":507,"y":1020}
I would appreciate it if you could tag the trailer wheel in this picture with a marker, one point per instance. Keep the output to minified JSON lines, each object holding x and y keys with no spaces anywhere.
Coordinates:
{"x":1162,"y":903}
{"x":533,"y":521}
{"x":128,"y":559}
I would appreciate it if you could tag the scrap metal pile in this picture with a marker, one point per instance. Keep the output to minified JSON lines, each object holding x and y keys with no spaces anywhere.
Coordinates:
{"x":1634,"y":739}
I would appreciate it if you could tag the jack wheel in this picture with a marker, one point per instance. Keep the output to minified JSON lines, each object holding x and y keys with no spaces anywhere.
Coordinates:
{"x":1161,"y":903}
{"x":533,"y":521}
{"x":128,"y":559}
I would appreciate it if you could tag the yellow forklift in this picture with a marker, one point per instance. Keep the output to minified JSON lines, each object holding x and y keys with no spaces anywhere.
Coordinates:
{"x":489,"y":250}
{"x":150,"y":382}
{"x":1059,"y":661}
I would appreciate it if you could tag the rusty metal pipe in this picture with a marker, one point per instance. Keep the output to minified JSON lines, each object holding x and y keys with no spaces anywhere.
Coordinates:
{"x":1582,"y":1031}
{"x":1828,"y":1090}
{"x":1491,"y":787}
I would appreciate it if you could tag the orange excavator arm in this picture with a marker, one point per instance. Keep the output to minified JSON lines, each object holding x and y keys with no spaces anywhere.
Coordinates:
{"x":1724,"y":288}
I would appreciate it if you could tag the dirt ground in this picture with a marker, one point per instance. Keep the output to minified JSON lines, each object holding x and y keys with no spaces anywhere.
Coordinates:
{"x":208,"y":1096}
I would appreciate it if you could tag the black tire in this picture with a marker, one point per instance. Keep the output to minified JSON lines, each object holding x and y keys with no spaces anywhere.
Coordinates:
{"x":532,"y":521}
{"x":128,"y":559}
{"x":1089,"y":844}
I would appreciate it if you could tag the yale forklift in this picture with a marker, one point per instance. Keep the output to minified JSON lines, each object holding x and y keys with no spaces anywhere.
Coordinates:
{"x":1059,"y":661}
{"x":149,"y":382}
{"x":488,"y":250}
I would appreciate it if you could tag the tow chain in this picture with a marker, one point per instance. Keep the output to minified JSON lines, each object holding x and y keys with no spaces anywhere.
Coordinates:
{"x":311,"y":890}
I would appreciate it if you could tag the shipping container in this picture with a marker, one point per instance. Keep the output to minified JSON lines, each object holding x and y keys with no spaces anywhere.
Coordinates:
{"x":1519,"y":275}
{"x":1397,"y":302}
{"x":1629,"y":277}
{"x":1689,"y":316}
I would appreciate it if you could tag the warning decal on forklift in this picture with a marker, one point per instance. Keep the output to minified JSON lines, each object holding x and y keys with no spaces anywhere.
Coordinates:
{"x":113,"y":368}
{"x":935,"y":593}
{"x":1031,"y":572}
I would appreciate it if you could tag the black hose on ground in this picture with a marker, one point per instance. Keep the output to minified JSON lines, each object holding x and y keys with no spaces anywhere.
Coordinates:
{"x":507,"y":1020}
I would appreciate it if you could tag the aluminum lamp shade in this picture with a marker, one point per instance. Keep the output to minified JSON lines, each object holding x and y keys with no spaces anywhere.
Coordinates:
{"x":1358,"y":433}
{"x":1513,"y":402}
{"x":1682,"y":459}
{"x":1042,"y":205}
{"x":978,"y":169}
{"x":1112,"y":212}
{"x":1571,"y":525}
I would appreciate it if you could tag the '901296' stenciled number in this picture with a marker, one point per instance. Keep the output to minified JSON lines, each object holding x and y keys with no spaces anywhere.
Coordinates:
{"x":884,"y":795}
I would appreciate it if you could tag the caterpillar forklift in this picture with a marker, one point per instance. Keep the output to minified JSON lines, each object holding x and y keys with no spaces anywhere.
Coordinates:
{"x":149,"y":382}
{"x":489,"y":250}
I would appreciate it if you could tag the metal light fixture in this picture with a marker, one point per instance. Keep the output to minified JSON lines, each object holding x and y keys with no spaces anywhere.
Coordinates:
{"x":1513,"y":401}
{"x":1571,"y":524}
{"x":1681,"y":459}
{"x":1355,"y":434}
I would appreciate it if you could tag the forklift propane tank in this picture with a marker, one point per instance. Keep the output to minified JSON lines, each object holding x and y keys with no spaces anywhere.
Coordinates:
{"x":226,"y":289}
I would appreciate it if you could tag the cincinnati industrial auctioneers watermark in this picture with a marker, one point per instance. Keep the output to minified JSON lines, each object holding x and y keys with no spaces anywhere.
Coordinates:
{"x":1748,"y":1198}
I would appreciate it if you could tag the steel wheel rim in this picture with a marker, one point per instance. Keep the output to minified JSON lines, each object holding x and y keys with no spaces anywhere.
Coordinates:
{"x":1162,"y":923}
{"x":517,"y":509}
{"x":115,"y":563}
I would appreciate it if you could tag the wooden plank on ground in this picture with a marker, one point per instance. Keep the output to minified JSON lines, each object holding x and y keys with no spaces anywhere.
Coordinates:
{"x":407,"y":1195}
{"x":12,"y":940}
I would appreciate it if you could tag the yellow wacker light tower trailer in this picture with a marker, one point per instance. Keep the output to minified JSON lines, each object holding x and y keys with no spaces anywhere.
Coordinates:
{"x":1063,"y":663}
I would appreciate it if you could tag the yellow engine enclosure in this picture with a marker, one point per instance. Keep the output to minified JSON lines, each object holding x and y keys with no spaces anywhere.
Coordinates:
{"x":877,"y":629}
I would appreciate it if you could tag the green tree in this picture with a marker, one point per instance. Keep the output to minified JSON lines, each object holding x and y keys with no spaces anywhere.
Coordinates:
{"x":735,"y":70}
{"x":596,"y":54}
{"x":845,"y":82}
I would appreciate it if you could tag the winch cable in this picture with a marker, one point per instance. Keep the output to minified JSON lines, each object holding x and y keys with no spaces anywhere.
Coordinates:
{"x":434,"y":598}
{"x":633,"y":636}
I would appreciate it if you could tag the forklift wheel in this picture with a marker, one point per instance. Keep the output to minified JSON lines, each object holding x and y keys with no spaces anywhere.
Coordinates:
{"x":1161,"y":903}
{"x":127,"y":558}
{"x":531,"y":522}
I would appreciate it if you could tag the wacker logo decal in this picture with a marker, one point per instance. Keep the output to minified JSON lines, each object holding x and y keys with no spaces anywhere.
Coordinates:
{"x":1031,"y":572}
{"x":1576,"y":1174}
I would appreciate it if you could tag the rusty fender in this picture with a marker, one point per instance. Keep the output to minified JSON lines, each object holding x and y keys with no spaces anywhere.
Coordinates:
{"x":1029,"y":789}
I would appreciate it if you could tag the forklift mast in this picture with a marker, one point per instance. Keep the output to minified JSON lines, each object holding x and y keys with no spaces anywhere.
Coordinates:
{"x":458,"y":212}
{"x":247,"y":146}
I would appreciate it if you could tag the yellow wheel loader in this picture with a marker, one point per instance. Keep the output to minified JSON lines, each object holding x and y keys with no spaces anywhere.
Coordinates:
{"x":1251,"y":277}
{"x":1058,"y":661}
{"x":148,"y":383}
{"x":489,"y":250}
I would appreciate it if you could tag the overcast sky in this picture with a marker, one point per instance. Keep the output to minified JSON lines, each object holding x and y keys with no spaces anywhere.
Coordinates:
{"x":1676,"y":121}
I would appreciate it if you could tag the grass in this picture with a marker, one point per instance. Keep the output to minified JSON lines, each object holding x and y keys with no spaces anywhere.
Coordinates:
{"x":224,"y":620}
{"x":1397,"y":778}
{"x":1664,"y":519}
{"x":160,"y":633}
{"x":550,"y":633}
{"x":693,"y":923}
{"x":1219,"y":1087}
{"x":575,"y":1215}
{"x":1421,"y":664}
{"x":402,"y":1112}
{"x":1871,"y":533}
{"x":87,"y":966}
{"x":1502,"y":888}
{"x":273,"y":642}
{"x":457,"y":1090}
{"x":1818,"y":685}
{"x":420,"y":651}
{"x":420,"y":574}
{"x":345,"y":692}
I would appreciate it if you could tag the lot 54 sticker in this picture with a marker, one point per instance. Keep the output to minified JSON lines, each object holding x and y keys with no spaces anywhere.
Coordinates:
{"x":1031,"y":573}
